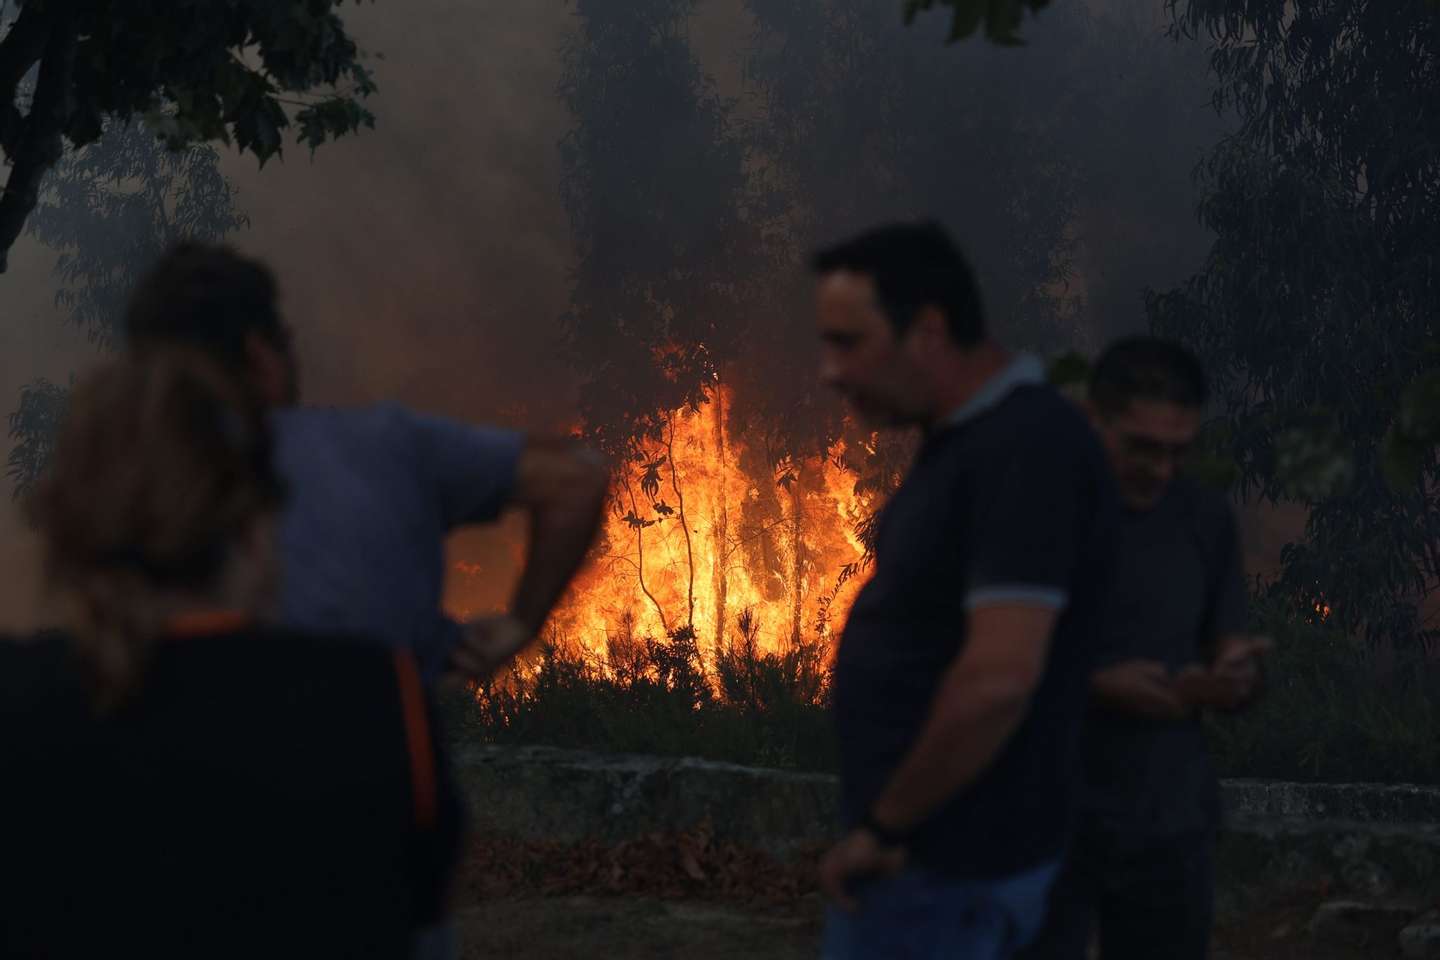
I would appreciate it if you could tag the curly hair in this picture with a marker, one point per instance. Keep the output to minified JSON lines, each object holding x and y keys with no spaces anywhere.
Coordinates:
{"x":161,"y":465}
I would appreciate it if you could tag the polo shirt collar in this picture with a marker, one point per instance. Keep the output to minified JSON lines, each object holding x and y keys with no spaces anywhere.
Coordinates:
{"x":1024,"y":370}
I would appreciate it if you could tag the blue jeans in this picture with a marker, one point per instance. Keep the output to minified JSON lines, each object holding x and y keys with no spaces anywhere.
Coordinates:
{"x":916,"y":915}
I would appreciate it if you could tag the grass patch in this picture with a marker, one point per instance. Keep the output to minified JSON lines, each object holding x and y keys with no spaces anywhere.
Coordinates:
{"x":752,"y":706}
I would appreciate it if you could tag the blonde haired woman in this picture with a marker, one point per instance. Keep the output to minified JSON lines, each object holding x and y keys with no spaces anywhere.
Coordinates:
{"x":180,"y":780}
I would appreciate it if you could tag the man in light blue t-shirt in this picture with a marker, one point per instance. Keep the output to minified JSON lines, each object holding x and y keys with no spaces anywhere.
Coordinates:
{"x":374,"y":491}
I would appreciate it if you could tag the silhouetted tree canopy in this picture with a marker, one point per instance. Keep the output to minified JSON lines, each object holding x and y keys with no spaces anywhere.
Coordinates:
{"x":1317,"y":307}
{"x":238,"y":71}
{"x":654,"y":181}
{"x":110,"y":210}
{"x":1000,"y":19}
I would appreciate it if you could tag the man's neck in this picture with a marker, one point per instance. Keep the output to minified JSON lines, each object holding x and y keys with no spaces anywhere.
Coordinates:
{"x":970,"y":372}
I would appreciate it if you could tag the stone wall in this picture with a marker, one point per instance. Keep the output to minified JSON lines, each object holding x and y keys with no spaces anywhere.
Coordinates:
{"x":1362,"y":839}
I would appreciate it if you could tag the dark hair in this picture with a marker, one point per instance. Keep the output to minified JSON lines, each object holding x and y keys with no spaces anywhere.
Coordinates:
{"x":163,"y":461}
{"x":913,"y":265}
{"x":1146,"y":368}
{"x":207,"y":297}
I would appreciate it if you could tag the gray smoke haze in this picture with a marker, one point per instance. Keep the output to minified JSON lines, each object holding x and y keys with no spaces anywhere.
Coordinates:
{"x":428,"y":261}
{"x":425,"y":261}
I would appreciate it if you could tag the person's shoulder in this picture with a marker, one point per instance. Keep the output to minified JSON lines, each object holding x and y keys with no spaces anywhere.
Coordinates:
{"x":306,"y":431}
{"x":343,"y":677}
{"x":1209,"y":508}
{"x":368,"y":417}
{"x":338,"y":651}
{"x":1041,"y":421}
{"x":37,"y":671}
{"x":333,"y":695}
{"x":1041,"y":407}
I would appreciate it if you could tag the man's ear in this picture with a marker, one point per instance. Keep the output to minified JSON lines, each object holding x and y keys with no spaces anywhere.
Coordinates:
{"x":932,"y":328}
{"x":266,"y":368}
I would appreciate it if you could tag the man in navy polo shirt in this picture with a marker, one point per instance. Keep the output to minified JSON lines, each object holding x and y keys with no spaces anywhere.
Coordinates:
{"x":960,"y":680}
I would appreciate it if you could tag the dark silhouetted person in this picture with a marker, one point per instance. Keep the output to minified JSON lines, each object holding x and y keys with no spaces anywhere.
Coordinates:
{"x":375,"y":490}
{"x":960,"y":677}
{"x":179,"y":780}
{"x":1174,"y":643}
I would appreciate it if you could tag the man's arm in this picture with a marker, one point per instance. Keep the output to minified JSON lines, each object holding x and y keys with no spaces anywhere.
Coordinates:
{"x":475,"y":473}
{"x":1233,"y":680}
{"x":982,"y":700}
{"x":1028,"y":510}
{"x":1026,"y":513}
{"x":562,"y":486}
{"x":1139,"y":688}
{"x":1229,"y":676}
{"x":980,"y":704}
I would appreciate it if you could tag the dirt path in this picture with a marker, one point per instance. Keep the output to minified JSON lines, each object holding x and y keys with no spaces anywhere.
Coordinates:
{"x":633,"y":929}
{"x":639,"y":928}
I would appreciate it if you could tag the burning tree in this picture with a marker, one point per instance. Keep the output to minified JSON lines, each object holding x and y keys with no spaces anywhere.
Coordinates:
{"x":714,"y":512}
{"x":741,"y":489}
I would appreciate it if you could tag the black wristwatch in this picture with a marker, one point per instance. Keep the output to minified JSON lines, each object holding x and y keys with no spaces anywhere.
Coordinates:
{"x":886,"y":836}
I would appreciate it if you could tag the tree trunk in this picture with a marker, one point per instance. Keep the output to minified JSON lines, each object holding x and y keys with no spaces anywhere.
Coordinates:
{"x":720,"y":529}
{"x":34,"y":147}
{"x":640,"y":560}
{"x":684,"y":525}
{"x":797,"y":566}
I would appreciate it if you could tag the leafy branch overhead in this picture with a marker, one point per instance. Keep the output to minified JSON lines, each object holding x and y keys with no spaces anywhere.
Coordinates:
{"x":33,"y":428}
{"x":242,"y":72}
{"x":1315,"y":310}
{"x":1000,"y":19}
{"x":1414,"y":436}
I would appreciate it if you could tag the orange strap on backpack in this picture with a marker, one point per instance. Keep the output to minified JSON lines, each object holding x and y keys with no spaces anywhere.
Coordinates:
{"x":417,"y":738}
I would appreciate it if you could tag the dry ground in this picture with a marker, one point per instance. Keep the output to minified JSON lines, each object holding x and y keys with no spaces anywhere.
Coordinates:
{"x":646,"y":928}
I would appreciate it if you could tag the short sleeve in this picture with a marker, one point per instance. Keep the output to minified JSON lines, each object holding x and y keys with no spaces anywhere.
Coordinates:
{"x":1229,"y":601}
{"x":471,"y":468}
{"x":1027,"y":508}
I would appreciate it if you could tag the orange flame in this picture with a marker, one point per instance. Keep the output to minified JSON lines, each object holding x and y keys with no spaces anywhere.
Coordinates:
{"x":705,"y":525}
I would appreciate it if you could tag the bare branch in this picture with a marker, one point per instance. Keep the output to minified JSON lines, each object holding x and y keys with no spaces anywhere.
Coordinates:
{"x":23,"y":44}
{"x":19,"y":51}
{"x":41,"y":144}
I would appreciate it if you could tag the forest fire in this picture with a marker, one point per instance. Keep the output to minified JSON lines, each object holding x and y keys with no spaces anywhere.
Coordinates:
{"x":706,"y":526}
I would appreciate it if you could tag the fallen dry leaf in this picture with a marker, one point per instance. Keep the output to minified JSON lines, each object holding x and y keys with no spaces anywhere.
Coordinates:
{"x":680,"y":865}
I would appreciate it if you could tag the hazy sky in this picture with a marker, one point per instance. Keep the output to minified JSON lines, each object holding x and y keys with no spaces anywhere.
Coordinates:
{"x":428,"y":261}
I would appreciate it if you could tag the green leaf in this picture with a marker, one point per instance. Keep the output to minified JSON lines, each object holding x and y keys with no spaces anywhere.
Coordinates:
{"x":1313,"y":461}
{"x":1413,"y":437}
{"x":1000,"y":18}
{"x":1069,"y":368}
{"x":1211,"y":462}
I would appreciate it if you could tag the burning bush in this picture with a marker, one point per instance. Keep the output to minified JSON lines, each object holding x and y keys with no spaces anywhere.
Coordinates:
{"x":648,"y":695}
